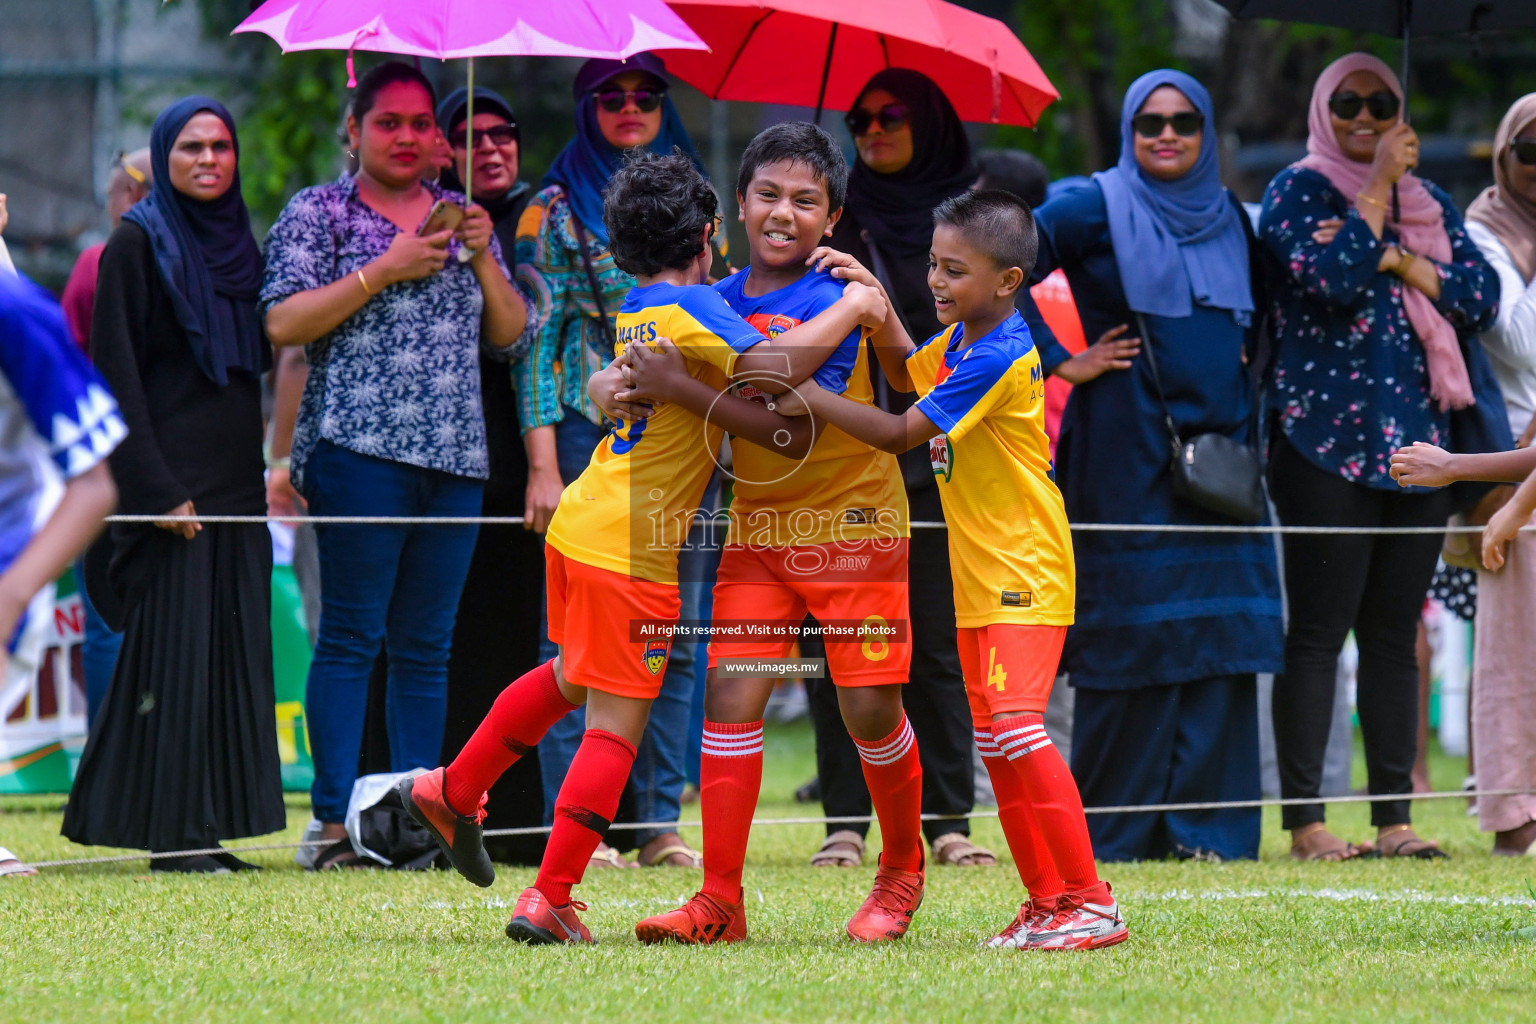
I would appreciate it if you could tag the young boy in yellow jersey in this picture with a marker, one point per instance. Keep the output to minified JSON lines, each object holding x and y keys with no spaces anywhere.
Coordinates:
{"x":825,"y":533}
{"x":981,"y":412}
{"x":612,"y":545}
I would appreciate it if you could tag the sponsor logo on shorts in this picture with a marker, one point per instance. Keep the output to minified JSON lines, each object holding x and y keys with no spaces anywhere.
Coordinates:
{"x":1017,"y":599}
{"x":942,"y":455}
{"x":656,"y":657}
{"x":859,"y":515}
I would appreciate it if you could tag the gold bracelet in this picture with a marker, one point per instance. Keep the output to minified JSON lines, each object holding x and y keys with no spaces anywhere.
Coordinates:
{"x":1371,"y":199}
{"x":364,"y":282}
{"x":1405,"y":260}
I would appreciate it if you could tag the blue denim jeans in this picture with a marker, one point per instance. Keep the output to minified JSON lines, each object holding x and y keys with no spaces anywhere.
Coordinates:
{"x":98,"y":654}
{"x":382,"y":584}
{"x":660,"y":762}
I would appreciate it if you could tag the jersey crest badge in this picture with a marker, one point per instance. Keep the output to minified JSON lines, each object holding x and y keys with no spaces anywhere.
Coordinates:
{"x":941,"y":454}
{"x":655,"y":657}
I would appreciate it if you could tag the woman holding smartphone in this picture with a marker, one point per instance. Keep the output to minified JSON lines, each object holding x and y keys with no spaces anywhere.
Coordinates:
{"x":365,"y":272}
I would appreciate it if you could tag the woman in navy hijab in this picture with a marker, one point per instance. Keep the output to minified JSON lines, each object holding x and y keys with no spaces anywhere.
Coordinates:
{"x":183,"y":753}
{"x":1171,"y":628}
{"x":563,"y":259}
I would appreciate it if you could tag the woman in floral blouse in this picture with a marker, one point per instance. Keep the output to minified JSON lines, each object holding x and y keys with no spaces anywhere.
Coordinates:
{"x":1380,"y":296}
{"x":390,"y":423}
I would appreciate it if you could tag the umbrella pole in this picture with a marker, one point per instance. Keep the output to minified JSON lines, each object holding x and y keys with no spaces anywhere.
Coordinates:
{"x":826,"y":71}
{"x":469,"y":152}
{"x":469,"y":128}
{"x":1405,"y":11}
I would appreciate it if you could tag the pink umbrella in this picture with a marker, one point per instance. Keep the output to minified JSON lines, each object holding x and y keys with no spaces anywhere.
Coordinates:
{"x":445,"y":29}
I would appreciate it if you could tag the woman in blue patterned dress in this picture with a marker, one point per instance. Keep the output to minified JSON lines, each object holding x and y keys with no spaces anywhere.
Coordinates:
{"x":390,"y":422}
{"x":1381,"y":295}
{"x":1171,"y":630}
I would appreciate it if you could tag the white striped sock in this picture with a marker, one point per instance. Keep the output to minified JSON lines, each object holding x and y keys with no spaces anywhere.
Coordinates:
{"x":986,"y":744}
{"x":892,"y":751}
{"x":1021,"y":740}
{"x":733,"y":744}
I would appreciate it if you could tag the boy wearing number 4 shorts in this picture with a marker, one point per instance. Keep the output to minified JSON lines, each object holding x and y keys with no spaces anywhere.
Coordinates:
{"x":981,"y":413}
{"x":612,"y":544}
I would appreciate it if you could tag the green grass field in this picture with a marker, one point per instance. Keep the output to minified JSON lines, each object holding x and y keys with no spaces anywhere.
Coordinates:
{"x":1266,"y":941}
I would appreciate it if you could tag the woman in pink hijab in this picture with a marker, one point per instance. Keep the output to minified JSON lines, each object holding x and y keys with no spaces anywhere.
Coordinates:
{"x":1375,"y":323}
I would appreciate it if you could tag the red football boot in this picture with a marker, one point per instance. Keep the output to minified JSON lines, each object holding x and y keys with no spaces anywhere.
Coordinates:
{"x":887,"y":912}
{"x":1083,"y":920}
{"x":537,"y":923}
{"x":702,"y":921}
{"x":1032,"y":917}
{"x":459,"y":835}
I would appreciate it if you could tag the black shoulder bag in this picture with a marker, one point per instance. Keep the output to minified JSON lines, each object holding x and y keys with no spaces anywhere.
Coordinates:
{"x":1210,"y":470}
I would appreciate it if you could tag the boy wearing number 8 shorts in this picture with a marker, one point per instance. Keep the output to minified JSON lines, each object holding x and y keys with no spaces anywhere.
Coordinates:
{"x":824,"y":533}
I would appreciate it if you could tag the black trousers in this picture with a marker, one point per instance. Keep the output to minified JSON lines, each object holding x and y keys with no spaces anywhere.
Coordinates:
{"x":1374,"y":585}
{"x":934,"y":698}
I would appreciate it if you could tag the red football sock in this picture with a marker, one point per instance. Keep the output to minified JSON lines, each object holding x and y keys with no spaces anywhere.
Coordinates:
{"x":730,"y":778}
{"x":517,"y":721}
{"x":895,"y":779}
{"x":1053,"y":797}
{"x":583,"y":811}
{"x":1030,"y":855}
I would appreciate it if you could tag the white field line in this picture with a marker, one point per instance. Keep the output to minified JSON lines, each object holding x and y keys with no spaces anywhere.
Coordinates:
{"x":1129,"y":897}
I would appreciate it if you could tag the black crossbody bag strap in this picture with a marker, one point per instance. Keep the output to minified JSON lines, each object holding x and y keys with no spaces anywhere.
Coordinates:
{"x":1157,"y":382}
{"x":597,"y":291}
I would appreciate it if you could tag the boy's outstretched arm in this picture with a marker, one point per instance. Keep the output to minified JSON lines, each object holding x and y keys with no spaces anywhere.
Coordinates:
{"x":892,"y":343}
{"x":1507,"y":521}
{"x":661,"y":375}
{"x":875,"y":427}
{"x":88,"y":499}
{"x":799,"y":352}
{"x":1424,"y":465}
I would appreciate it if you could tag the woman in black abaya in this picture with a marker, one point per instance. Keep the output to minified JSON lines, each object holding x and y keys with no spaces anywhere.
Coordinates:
{"x":184,"y":750}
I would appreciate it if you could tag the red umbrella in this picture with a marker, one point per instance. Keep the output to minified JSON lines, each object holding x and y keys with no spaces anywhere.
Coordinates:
{"x":813,"y":53}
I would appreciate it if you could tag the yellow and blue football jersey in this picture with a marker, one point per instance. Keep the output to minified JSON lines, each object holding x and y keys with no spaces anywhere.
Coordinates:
{"x":1010,"y":549}
{"x":630,"y":510}
{"x":843,"y":489}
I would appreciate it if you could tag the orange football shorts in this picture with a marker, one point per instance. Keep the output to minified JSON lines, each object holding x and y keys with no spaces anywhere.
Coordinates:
{"x":856,"y":584}
{"x":1009,"y":667}
{"x":597,"y":617}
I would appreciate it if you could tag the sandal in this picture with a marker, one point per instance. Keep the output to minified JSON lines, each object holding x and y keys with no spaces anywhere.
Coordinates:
{"x":671,"y":845}
{"x":10,"y":864}
{"x":1341,"y":851}
{"x":340,"y":855}
{"x":842,"y":849}
{"x":1409,"y":844}
{"x":957,"y":850}
{"x":606,"y":856}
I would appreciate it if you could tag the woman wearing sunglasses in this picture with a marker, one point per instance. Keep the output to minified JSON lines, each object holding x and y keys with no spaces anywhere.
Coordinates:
{"x":912,"y":155}
{"x":1376,"y":312}
{"x":1170,"y":630}
{"x":563,"y":258}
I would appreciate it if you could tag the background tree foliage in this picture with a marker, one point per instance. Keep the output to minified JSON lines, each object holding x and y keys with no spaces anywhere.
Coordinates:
{"x":1260,"y":78}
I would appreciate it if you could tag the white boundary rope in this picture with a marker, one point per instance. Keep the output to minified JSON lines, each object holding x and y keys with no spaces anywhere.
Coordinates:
{"x":847,"y":820}
{"x":916,"y":525}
